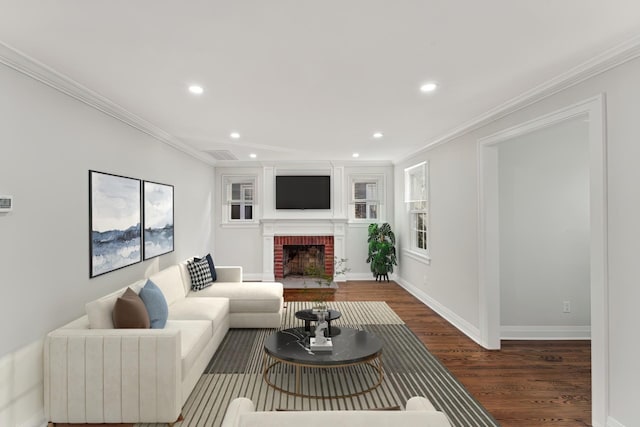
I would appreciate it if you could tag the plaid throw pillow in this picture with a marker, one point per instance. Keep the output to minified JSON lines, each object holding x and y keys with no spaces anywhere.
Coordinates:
{"x":200,"y":274}
{"x":212,"y":267}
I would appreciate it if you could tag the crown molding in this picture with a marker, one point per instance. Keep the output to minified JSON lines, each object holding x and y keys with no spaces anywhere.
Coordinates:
{"x":605,"y":61}
{"x":50,"y":77}
{"x":302,"y":163}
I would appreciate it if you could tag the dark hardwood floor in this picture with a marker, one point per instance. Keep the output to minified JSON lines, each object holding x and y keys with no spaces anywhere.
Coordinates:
{"x":526,"y":383}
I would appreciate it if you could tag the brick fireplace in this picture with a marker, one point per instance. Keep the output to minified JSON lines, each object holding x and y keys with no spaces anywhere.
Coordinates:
{"x":298,"y":245}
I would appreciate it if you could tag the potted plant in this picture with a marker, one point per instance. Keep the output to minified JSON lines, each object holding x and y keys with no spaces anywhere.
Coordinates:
{"x":325,"y":282}
{"x":382,"y":250}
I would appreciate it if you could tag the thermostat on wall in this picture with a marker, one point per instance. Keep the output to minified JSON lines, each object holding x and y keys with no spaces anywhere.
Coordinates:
{"x":6,"y":203}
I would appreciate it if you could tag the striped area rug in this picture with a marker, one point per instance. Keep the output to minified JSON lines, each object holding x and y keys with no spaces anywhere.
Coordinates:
{"x":409,"y":370}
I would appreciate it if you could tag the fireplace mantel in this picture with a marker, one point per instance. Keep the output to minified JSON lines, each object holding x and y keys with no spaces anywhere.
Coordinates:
{"x":300,"y":227}
{"x":303,"y":227}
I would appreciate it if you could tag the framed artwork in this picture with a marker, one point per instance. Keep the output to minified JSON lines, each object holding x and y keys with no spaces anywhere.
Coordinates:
{"x":158,"y":219}
{"x":114,"y":222}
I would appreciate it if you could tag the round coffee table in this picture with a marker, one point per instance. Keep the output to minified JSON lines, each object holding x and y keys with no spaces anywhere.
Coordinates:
{"x":351,"y":347}
{"x":309,"y":316}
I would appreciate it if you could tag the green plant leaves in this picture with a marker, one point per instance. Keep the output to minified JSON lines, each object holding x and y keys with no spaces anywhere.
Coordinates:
{"x":382,"y":251}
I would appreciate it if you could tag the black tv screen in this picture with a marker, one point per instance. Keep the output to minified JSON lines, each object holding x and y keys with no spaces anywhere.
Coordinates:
{"x":303,"y":192}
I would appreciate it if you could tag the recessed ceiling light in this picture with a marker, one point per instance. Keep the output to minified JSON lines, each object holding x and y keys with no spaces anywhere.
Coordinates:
{"x":428,"y":87}
{"x":253,"y":155}
{"x":234,"y":135}
{"x":378,"y":135}
{"x":196,"y":90}
{"x":355,"y":155}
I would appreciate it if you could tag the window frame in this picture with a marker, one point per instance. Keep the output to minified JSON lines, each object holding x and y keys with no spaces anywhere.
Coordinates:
{"x":246,"y":182}
{"x":416,"y":198}
{"x":378,"y":201}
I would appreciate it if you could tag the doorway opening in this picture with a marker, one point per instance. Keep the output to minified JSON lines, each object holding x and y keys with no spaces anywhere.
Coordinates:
{"x":489,"y":240}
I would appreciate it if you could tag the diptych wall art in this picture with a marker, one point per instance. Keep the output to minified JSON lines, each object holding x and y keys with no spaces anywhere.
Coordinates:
{"x":158,"y":219}
{"x":114,"y":222}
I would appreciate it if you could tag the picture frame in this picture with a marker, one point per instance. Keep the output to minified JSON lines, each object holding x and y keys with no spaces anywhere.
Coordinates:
{"x":115,"y":213}
{"x":158,"y":214}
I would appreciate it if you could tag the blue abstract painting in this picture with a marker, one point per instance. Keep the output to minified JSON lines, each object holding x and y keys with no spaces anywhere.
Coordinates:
{"x":115,"y":217}
{"x":158,"y":219}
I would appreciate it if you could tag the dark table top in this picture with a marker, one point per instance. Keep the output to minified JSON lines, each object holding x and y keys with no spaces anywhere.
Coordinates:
{"x":310,"y":316}
{"x":351,"y":346}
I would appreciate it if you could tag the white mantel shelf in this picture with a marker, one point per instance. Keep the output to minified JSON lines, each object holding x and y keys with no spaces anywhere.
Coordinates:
{"x":303,"y":227}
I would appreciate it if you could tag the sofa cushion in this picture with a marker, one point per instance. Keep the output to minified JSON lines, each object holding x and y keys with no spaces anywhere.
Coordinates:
{"x":213,"y":309}
{"x":212,"y":267}
{"x":186,"y":278}
{"x":100,"y":311}
{"x":129,"y":311}
{"x":223,"y":274}
{"x":200,"y":274}
{"x":246,"y":297}
{"x":156,"y":304}
{"x":194,"y":336}
{"x":169,"y":281}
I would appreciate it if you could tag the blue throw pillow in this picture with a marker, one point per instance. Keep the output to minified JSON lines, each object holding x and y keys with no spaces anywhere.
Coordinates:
{"x":156,"y":304}
{"x":212,"y":267}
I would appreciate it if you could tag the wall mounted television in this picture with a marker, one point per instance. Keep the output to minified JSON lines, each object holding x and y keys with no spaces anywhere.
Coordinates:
{"x":303,"y":192}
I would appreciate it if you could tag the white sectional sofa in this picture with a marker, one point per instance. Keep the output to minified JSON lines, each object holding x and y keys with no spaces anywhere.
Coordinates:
{"x":419,"y":412}
{"x":94,"y":373}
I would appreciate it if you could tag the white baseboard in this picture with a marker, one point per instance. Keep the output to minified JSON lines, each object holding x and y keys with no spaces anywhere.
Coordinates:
{"x":36,"y":421}
{"x":612,"y":422}
{"x":258,"y":277}
{"x":369,"y":276}
{"x":360,"y":276}
{"x":545,"y":332}
{"x":461,"y":324}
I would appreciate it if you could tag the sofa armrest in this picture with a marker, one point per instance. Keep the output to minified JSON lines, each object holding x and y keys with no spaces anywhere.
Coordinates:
{"x":229,"y":273}
{"x":112,"y":375}
{"x":237,"y":407}
{"x":419,"y":403}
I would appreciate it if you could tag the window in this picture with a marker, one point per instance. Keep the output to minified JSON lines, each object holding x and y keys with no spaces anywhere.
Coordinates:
{"x":419,"y":229}
{"x":366,"y":198}
{"x":415,"y":192}
{"x":239,"y":202}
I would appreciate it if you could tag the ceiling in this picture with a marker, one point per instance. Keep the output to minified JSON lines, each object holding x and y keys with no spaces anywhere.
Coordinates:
{"x":313,"y":80}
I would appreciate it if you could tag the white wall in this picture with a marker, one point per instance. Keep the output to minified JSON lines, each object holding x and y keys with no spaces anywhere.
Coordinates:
{"x":48,"y":143}
{"x":238,"y":244}
{"x":357,"y":231}
{"x":452,"y":277}
{"x":449,"y":282}
{"x":544,"y":229}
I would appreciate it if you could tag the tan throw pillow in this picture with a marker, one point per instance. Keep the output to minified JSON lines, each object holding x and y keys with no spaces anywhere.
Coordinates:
{"x":130,"y":312}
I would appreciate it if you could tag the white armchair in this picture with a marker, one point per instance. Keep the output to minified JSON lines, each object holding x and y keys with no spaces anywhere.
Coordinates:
{"x":419,"y":413}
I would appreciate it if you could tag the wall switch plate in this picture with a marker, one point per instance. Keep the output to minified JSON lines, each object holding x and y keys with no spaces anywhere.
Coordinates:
{"x":566,"y":306}
{"x":6,"y":203}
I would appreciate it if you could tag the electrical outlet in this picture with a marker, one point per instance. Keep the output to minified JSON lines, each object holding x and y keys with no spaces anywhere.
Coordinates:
{"x":424,"y":279}
{"x":566,"y":306}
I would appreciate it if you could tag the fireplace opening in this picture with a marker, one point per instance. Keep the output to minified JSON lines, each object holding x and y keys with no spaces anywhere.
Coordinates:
{"x":313,"y":253}
{"x":302,"y":260}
